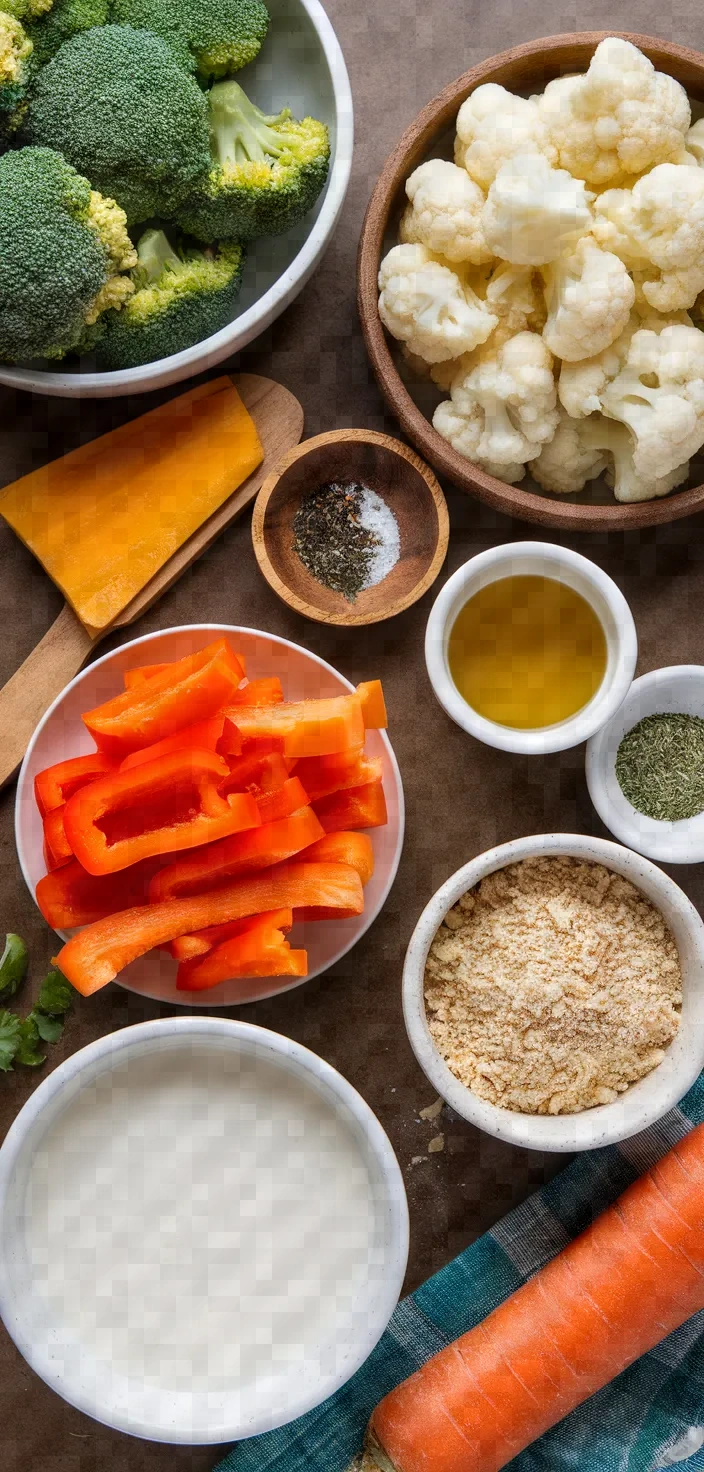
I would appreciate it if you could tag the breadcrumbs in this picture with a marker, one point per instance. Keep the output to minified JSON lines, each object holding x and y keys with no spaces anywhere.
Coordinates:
{"x":552,"y":986}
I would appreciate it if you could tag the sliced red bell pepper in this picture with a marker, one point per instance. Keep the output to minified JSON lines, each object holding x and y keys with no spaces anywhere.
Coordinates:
{"x":70,"y":896}
{"x":201,"y":736}
{"x":306,"y":728}
{"x":356,"y":807}
{"x":373,"y":704}
{"x":280,"y":804}
{"x":260,"y":950}
{"x":244,"y":853}
{"x":190,"y":690}
{"x":257,"y":774}
{"x":259,"y":692}
{"x":97,"y":954}
{"x":165,"y":805}
{"x":323,"y":775}
{"x":187,"y":947}
{"x":355,"y":849}
{"x":142,"y":672}
{"x":57,"y":849}
{"x":55,"y":785}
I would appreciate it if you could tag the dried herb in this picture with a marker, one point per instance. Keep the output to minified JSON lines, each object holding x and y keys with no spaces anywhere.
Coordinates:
{"x":660,"y":766}
{"x":330,"y":539}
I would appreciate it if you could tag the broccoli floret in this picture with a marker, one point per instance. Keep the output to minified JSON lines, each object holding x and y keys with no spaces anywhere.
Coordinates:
{"x":15,"y":73}
{"x":65,"y":19}
{"x":119,"y":107}
{"x":266,"y":172}
{"x":216,"y":37}
{"x":64,"y":255}
{"x":181,"y":298}
{"x":26,"y":10}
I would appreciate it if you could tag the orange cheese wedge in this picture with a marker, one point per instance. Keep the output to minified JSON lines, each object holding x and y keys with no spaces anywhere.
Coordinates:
{"x":103,"y":519}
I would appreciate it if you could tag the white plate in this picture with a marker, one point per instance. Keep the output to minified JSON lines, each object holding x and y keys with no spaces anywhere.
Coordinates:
{"x":61,"y":1345}
{"x":300,"y":66}
{"x":62,"y":734}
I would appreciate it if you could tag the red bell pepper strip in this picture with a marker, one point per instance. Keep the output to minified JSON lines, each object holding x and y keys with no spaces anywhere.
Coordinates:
{"x":57,"y":849}
{"x":282,"y":803}
{"x":243,"y":853}
{"x":354,"y":849}
{"x":70,"y":896}
{"x":307,"y":727}
{"x":190,"y":690}
{"x":357,"y":807}
{"x":373,"y":704}
{"x":257,"y":774}
{"x":260,"y":950}
{"x":187,"y":947}
{"x":55,"y":785}
{"x":163,"y":806}
{"x":259,"y":692}
{"x":201,"y":736}
{"x":97,"y":954}
{"x":142,"y":672}
{"x":323,"y":775}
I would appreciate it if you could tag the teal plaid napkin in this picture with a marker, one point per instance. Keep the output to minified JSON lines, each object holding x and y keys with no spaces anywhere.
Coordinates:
{"x":645,"y":1419}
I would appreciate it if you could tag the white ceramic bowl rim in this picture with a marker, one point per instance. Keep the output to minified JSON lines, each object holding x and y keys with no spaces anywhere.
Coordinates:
{"x":681,"y":842}
{"x":308,"y":1064}
{"x":365,"y":920}
{"x":554,"y":559}
{"x":658,"y":1092}
{"x":236,"y":335}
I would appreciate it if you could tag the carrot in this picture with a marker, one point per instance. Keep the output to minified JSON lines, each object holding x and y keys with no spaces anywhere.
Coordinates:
{"x":628,"y":1281}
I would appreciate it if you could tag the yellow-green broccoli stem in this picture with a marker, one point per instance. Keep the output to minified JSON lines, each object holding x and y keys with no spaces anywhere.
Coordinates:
{"x":182,"y":297}
{"x":267,"y":173}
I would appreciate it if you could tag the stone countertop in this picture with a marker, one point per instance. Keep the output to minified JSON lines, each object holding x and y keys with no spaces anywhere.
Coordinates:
{"x":461,"y":797}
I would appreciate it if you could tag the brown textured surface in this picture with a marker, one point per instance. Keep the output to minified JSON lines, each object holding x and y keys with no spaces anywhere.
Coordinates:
{"x":461,"y":797}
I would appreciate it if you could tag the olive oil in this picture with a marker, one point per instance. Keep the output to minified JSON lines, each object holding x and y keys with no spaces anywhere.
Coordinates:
{"x":527,"y":652}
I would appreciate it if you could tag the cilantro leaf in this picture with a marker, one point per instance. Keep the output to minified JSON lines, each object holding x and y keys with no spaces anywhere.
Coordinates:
{"x":48,"y":1028}
{"x":28,"y":1051}
{"x":55,"y":995}
{"x":13,"y":965}
{"x":9,"y":1039}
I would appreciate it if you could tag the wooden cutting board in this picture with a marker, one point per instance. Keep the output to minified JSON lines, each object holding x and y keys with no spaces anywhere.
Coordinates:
{"x":66,"y":646}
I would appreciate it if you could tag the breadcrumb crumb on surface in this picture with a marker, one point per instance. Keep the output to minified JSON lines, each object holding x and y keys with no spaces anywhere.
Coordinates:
{"x":553,"y":986}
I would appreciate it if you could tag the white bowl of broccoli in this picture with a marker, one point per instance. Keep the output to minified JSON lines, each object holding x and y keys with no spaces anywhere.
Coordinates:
{"x":227,"y":146}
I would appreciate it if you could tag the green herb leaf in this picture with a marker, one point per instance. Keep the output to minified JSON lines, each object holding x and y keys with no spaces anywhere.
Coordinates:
{"x":13,"y":965}
{"x":49,"y":1028}
{"x":55,"y":995}
{"x":9,"y":1039}
{"x":28,"y":1051}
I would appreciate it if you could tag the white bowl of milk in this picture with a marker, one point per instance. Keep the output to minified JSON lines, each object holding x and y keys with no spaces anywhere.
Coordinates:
{"x":203,"y":1230}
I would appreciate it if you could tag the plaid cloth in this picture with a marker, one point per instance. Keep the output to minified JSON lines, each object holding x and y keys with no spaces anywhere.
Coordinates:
{"x":651,"y":1416}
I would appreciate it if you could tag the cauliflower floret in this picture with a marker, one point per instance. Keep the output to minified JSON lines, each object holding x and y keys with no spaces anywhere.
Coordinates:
{"x":659,"y":396}
{"x":589,"y":296}
{"x":620,"y":117}
{"x":583,"y":448}
{"x":444,"y":213}
{"x":582,"y":384}
{"x":492,"y":126}
{"x":566,"y":463}
{"x":426,"y":306}
{"x":514,"y":294}
{"x":504,"y":408}
{"x":695,"y":142}
{"x":660,"y":223}
{"x":534,"y":212}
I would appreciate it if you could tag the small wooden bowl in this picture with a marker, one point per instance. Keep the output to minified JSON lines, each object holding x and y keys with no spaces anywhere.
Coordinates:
{"x":525,"y":69}
{"x":399,"y":477}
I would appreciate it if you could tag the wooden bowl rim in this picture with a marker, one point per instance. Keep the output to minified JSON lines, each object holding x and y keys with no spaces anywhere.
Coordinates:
{"x":511,"y":500}
{"x":299,"y":452}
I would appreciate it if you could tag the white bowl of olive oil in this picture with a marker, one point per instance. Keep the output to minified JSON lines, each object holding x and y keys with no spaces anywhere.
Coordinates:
{"x":531,"y":648}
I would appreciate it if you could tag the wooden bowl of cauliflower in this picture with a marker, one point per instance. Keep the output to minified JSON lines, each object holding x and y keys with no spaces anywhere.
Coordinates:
{"x":531,"y":281}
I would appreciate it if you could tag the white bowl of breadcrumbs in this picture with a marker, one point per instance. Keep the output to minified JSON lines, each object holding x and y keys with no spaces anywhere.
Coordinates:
{"x":554,"y":992}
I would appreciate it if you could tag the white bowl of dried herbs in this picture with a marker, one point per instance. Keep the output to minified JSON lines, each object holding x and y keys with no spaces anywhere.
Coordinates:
{"x":645,"y":767}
